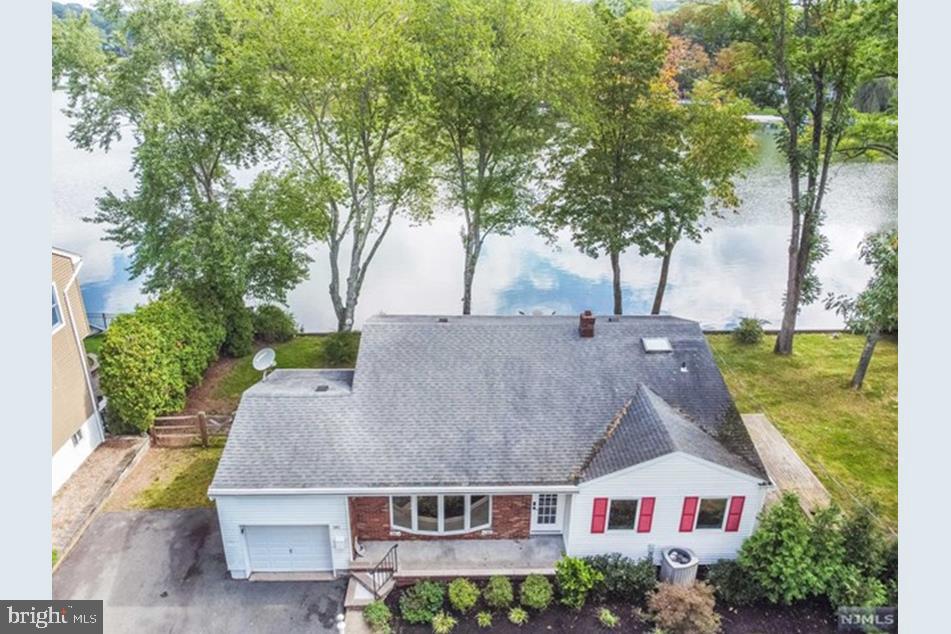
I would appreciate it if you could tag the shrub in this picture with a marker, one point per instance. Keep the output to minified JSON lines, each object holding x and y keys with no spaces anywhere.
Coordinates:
{"x":150,"y":357}
{"x":608,"y":619}
{"x":239,"y":331}
{"x":851,"y":587}
{"x":749,"y":331}
{"x":518,"y":616}
{"x":536,"y":592}
{"x":624,"y":578}
{"x":498,"y":592}
{"x":422,"y":601}
{"x":443,"y":623}
{"x":273,"y":324}
{"x":378,"y":617}
{"x":684,"y":609}
{"x":575,"y":577}
{"x":484,"y":619}
{"x":340,"y":349}
{"x":463,"y":595}
{"x":733,"y":584}
{"x":778,"y":556}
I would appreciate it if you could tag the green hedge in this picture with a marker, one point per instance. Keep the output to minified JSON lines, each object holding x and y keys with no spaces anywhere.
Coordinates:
{"x":150,"y":357}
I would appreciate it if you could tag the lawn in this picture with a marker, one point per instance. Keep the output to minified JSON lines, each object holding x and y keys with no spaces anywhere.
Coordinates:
{"x":170,"y":479}
{"x":848,"y":438}
{"x":93,"y":343}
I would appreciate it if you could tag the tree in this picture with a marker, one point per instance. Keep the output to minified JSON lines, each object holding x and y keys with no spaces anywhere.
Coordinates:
{"x":498,"y":75}
{"x":344,"y":80}
{"x":707,"y":147}
{"x":160,"y":75}
{"x":607,"y":164}
{"x":649,"y":165}
{"x":810,"y":51}
{"x":875,"y":309}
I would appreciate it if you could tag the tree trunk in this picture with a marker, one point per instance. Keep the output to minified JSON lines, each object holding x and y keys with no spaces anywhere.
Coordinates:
{"x":661,"y":283}
{"x":859,"y":377}
{"x":471,"y":248}
{"x":616,"y":270}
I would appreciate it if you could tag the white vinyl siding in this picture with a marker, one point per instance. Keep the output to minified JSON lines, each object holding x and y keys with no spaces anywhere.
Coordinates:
{"x":241,"y":511}
{"x":669,"y":480}
{"x":75,"y":450}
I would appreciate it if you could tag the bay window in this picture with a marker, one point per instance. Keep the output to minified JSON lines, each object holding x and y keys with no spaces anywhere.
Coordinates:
{"x":440,"y":514}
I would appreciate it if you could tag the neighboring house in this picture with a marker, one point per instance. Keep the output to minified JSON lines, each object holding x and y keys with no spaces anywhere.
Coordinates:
{"x":617,"y":434}
{"x":77,"y":428}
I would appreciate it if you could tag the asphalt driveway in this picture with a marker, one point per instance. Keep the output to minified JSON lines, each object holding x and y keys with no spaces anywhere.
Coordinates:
{"x":164,"y":571}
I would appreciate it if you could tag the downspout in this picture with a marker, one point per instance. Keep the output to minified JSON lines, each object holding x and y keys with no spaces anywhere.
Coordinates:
{"x":82,"y":350}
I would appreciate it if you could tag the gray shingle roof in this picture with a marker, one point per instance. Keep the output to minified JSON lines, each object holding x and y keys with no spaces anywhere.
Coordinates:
{"x":487,"y":401}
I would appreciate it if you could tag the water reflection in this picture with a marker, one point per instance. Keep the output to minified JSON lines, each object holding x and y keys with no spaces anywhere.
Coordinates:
{"x":738,"y":269}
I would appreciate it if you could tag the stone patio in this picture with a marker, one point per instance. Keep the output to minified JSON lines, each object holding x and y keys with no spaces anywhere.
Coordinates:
{"x":469,"y":557}
{"x":80,"y":497}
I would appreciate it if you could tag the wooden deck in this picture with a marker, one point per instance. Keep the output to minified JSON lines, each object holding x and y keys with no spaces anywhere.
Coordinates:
{"x":784,"y":466}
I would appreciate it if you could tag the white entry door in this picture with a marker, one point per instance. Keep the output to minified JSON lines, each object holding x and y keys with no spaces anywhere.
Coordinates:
{"x":288,"y":548}
{"x":547,"y":512}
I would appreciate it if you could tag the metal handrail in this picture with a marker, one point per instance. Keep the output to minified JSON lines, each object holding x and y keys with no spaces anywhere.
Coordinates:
{"x":388,"y":566}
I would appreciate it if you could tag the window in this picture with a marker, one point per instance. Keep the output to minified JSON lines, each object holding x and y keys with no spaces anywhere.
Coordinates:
{"x":622,"y":515}
{"x":440,"y":513}
{"x":711,"y":512}
{"x":57,"y":313}
{"x":77,"y":437}
{"x":403,"y":512}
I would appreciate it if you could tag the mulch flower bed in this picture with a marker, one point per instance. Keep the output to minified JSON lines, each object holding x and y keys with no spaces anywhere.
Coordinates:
{"x":812,"y":617}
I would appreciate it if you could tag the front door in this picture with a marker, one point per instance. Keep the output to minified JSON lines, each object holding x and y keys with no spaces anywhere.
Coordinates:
{"x":547,"y":512}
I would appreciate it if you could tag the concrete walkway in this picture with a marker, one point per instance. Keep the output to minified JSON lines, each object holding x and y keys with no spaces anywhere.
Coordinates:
{"x":784,"y":466}
{"x":81,"y":496}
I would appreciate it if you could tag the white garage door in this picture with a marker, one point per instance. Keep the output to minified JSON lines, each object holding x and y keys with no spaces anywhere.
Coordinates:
{"x":289,"y":548}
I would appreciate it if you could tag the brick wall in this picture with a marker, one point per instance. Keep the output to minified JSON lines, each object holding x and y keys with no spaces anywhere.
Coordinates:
{"x":511,"y":519}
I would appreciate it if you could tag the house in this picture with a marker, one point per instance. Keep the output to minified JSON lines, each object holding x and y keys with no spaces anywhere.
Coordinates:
{"x":600,"y":434}
{"x":77,"y":427}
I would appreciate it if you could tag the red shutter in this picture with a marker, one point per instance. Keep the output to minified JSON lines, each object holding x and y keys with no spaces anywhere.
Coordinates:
{"x":736,"y":512}
{"x":689,"y":514}
{"x":646,"y":515}
{"x":599,"y":515}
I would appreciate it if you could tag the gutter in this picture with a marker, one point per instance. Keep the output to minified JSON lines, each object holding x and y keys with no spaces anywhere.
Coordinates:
{"x":509,"y":489}
{"x":82,"y":349}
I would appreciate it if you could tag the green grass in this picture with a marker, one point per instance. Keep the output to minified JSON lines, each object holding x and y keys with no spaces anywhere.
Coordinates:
{"x":184,"y":480}
{"x":55,"y":556}
{"x":301,"y":352}
{"x":848,"y":438}
{"x":93,"y":343}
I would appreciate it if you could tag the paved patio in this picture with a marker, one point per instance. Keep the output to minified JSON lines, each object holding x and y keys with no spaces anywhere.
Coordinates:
{"x":80,"y":497}
{"x":471,"y":557}
{"x":784,"y":466}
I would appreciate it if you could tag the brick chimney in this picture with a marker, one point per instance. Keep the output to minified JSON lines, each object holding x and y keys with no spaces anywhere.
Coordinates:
{"x":586,"y":324}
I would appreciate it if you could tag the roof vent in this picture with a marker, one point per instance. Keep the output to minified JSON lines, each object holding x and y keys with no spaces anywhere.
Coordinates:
{"x":656,"y":344}
{"x":322,"y":388}
{"x":443,"y":320}
{"x":683,"y":367}
{"x":586,"y":324}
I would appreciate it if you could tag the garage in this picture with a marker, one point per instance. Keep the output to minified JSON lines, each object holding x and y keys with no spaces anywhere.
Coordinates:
{"x":288,"y":548}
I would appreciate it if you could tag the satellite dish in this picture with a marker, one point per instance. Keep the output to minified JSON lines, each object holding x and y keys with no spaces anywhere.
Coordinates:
{"x":264,"y":360}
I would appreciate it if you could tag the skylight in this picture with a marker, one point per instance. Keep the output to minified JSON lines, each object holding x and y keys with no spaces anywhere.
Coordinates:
{"x":656,"y":344}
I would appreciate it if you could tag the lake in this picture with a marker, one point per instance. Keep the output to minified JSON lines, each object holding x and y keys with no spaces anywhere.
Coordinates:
{"x":737,"y":270}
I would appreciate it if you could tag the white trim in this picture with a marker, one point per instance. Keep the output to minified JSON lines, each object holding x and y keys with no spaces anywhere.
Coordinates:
{"x":74,"y":257}
{"x":607,"y":516}
{"x":377,"y":491}
{"x":59,"y":309}
{"x":441,"y":515}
